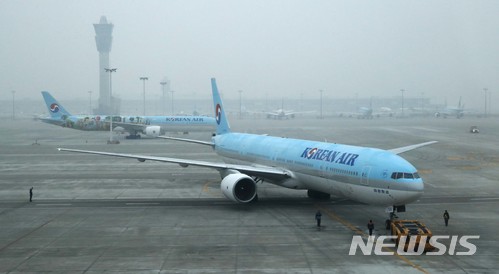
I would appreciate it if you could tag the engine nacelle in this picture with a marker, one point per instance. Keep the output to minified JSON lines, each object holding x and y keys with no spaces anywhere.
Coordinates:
{"x":152,"y":131}
{"x":239,"y":188}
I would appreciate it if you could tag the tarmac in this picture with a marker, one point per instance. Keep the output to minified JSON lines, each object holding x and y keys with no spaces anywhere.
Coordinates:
{"x":96,"y":214}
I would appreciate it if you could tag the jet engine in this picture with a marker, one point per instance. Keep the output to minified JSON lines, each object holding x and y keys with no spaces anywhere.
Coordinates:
{"x":152,"y":131}
{"x":238,"y":187}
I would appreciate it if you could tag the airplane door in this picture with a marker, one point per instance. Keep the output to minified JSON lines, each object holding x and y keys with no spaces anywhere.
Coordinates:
{"x":364,"y":178}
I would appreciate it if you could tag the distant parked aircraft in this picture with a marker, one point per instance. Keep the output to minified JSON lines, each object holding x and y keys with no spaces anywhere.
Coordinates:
{"x":457,"y":112}
{"x":151,"y":126}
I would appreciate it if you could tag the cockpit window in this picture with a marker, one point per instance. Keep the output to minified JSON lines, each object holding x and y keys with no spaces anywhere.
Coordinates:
{"x":408,"y":176}
{"x":405,"y":175}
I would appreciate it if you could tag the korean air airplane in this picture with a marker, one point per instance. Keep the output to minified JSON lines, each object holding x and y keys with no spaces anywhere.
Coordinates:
{"x":367,"y":175}
{"x":151,"y":126}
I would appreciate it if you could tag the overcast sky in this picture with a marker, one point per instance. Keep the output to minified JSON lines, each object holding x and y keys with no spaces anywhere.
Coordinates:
{"x":444,"y":49}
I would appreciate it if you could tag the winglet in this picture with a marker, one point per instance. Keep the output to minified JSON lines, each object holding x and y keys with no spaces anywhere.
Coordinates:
{"x":220,"y":117}
{"x":411,"y":147}
{"x":56,"y":110}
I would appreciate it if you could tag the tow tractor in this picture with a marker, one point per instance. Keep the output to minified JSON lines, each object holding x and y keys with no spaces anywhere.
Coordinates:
{"x":411,"y":228}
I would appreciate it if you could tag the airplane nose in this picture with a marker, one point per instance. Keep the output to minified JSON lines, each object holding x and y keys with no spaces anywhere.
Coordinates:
{"x":417,"y":186}
{"x":415,"y":189}
{"x":411,"y":192}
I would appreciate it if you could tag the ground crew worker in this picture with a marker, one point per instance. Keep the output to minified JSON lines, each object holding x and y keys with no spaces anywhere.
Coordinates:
{"x":370,"y":226}
{"x":446,"y":218}
{"x":318,"y":216}
{"x":31,"y":194}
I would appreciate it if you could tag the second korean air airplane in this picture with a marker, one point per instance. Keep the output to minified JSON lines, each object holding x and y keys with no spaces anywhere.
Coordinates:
{"x":367,"y":175}
{"x":151,"y":126}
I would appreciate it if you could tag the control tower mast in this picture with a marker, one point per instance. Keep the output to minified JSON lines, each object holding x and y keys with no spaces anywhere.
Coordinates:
{"x":103,"y":40}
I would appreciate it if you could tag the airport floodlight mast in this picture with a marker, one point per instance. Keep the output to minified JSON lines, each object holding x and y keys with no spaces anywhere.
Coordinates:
{"x":143,"y":79}
{"x":163,"y":84}
{"x":13,"y":105}
{"x":111,"y":70}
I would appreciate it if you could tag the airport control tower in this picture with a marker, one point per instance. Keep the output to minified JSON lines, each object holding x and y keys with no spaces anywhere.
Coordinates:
{"x":104,"y":39}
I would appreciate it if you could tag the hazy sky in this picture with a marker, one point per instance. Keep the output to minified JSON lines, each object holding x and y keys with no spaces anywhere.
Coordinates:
{"x":445,"y":49}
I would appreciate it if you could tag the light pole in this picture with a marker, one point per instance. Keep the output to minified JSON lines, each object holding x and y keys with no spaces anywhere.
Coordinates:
{"x":90,"y":101}
{"x":163,"y":84}
{"x":173,"y":110}
{"x":110,"y":70}
{"x":144,"y":93}
{"x":402,"y":90}
{"x":13,"y":105}
{"x":321,"y":91}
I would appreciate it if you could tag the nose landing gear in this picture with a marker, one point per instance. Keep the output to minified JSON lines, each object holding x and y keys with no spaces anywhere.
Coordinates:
{"x":392,"y":216}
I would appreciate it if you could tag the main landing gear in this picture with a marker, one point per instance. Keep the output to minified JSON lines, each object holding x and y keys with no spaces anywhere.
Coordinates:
{"x":133,"y":136}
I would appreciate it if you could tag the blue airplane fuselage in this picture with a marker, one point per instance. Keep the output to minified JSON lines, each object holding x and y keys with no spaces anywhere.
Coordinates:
{"x":367,"y":175}
{"x":174,"y":123}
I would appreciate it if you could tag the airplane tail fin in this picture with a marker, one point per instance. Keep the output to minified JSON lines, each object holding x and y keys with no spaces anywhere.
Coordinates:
{"x":55,"y":109}
{"x":220,"y":117}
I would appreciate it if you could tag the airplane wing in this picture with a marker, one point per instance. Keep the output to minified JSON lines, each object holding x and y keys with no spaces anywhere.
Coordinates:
{"x":52,"y":121}
{"x":260,"y":171}
{"x":411,"y":147}
{"x":187,"y":140}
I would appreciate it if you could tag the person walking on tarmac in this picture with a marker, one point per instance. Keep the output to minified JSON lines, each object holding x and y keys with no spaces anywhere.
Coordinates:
{"x":318,"y":217}
{"x":370,"y":226}
{"x":31,"y":194}
{"x":446,"y":218}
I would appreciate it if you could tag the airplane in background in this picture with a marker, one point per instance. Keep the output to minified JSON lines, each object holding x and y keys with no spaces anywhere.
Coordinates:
{"x":280,"y":114}
{"x":457,"y":112}
{"x":365,"y":113}
{"x":369,"y":112}
{"x":151,"y":126}
{"x":362,"y":113}
{"x":367,"y":175}
{"x":284,"y":114}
